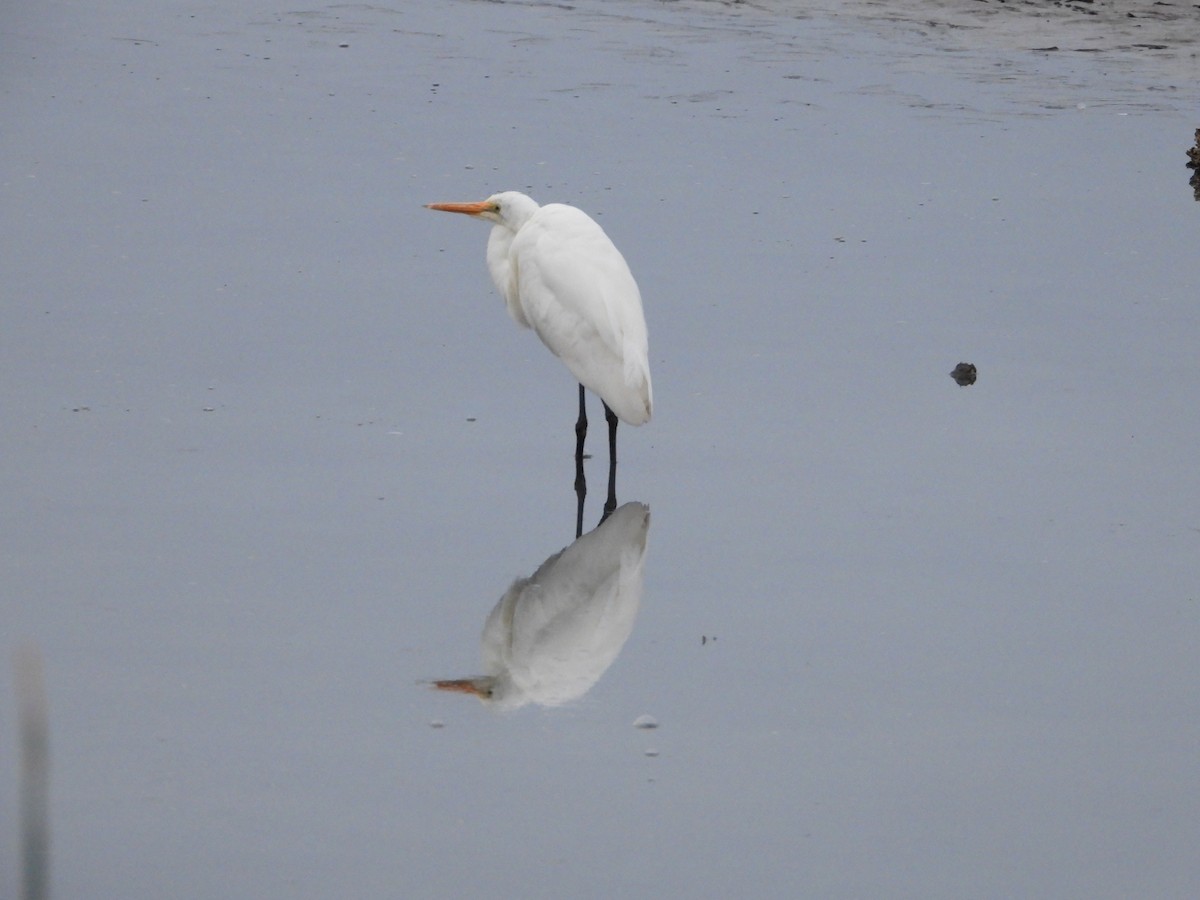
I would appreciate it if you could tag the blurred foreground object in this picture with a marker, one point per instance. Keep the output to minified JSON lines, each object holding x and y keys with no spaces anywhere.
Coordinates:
{"x":33,"y":731}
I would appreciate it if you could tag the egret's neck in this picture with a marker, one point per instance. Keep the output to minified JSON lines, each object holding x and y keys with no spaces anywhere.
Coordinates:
{"x":517,"y":211}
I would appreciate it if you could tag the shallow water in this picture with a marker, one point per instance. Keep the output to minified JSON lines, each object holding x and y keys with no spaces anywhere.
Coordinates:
{"x":274,"y":451}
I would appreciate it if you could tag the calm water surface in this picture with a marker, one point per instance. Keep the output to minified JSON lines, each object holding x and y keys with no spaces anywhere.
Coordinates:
{"x":274,"y":452}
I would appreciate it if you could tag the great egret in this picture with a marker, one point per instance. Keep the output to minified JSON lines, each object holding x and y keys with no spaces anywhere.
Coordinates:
{"x":553,"y":634}
{"x":561,"y":276}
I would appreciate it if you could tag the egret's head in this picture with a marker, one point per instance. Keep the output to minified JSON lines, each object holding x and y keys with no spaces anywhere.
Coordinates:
{"x":509,"y":208}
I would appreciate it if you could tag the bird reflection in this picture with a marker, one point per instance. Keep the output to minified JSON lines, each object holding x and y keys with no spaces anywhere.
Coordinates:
{"x":553,"y":635}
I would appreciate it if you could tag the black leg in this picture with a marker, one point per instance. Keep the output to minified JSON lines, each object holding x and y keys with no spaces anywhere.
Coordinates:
{"x":611,"y":503}
{"x":580,"y":426}
{"x":580,"y":478}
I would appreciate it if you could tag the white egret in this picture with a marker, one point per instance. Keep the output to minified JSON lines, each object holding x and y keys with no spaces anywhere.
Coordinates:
{"x":561,"y":276}
{"x":553,"y":634}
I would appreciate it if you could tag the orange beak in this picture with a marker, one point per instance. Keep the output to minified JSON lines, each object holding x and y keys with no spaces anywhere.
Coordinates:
{"x":471,"y":209}
{"x":459,"y":685}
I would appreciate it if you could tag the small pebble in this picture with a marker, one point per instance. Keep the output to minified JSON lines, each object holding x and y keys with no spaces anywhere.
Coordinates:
{"x":964,"y":374}
{"x":645,"y":722}
{"x":437,"y":723}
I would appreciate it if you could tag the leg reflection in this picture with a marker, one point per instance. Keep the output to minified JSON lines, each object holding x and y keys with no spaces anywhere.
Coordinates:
{"x":580,"y":478}
{"x":611,"y":502}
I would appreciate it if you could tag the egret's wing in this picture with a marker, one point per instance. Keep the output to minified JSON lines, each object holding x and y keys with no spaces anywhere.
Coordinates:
{"x":568,"y":269}
{"x":578,"y":294}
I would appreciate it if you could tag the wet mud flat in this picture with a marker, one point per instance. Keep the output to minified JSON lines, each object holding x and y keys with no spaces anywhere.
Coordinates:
{"x":1156,"y":38}
{"x":1080,"y":25}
